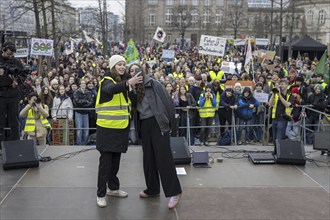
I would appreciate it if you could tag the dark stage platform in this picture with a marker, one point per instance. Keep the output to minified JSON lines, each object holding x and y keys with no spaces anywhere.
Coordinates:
{"x":232,"y":189}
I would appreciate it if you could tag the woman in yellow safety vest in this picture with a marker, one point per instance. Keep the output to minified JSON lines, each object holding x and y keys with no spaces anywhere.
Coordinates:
{"x":36,"y":113}
{"x":206,"y":101}
{"x":113,"y":112}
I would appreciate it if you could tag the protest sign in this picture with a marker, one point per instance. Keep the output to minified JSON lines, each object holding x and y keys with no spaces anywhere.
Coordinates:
{"x":262,"y":41}
{"x":231,"y":84}
{"x":212,"y":45}
{"x":261,"y":96}
{"x":42,"y":47}
{"x":168,"y":54}
{"x":22,"y":52}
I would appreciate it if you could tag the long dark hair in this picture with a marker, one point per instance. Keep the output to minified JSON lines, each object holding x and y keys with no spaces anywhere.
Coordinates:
{"x":46,"y":98}
{"x":115,"y":76}
{"x":139,"y":87}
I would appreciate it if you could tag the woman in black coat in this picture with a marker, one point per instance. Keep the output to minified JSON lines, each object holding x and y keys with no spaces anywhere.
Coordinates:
{"x":112,"y":140}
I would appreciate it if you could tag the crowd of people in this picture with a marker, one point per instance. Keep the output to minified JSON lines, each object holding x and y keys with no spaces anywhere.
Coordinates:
{"x":197,"y":85}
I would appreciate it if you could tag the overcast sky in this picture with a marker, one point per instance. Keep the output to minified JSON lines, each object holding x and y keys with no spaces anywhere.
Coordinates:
{"x":115,"y":6}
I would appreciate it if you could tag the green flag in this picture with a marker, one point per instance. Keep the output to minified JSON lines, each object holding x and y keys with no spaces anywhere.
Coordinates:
{"x":322,"y":67}
{"x":131,"y":53}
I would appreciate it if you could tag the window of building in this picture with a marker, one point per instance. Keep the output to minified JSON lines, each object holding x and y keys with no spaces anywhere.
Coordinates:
{"x":169,"y":37}
{"x":296,"y":22}
{"x":310,"y":17}
{"x":322,"y":15}
{"x":194,"y":17}
{"x":152,"y":2}
{"x":168,"y":16}
{"x":194,"y":2}
{"x":152,"y":19}
{"x":168,"y":2}
{"x":183,"y":2}
{"x":150,"y":36}
{"x":206,"y":16}
{"x":207,"y":2}
{"x":218,"y":15}
{"x":219,"y":3}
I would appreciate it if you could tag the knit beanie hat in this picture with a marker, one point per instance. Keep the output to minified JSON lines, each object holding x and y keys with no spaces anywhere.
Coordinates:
{"x":295,"y":90}
{"x":115,"y":59}
{"x":54,"y":81}
{"x":319,"y":86}
{"x":238,"y":85}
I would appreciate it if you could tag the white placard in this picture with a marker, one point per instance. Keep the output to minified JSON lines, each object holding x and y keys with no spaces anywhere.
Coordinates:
{"x":261,"y":96}
{"x":229,"y":67}
{"x":22,"y":52}
{"x":262,"y":41}
{"x":212,"y":45}
{"x":42,"y":47}
{"x":180,"y":171}
{"x":168,"y":54}
{"x":239,"y":42}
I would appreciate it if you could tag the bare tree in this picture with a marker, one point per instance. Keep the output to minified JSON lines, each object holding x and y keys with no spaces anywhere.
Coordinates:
{"x":182,"y":20}
{"x":236,"y":16}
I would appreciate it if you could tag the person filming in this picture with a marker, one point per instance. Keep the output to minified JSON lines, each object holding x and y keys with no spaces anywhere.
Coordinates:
{"x":282,"y":102}
{"x":10,"y":69}
{"x":37,"y":125}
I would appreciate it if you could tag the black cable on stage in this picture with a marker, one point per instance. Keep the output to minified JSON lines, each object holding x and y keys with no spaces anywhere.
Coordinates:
{"x":65,"y":156}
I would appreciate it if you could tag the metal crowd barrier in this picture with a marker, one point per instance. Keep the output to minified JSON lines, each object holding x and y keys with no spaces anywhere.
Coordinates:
{"x":265,"y":126}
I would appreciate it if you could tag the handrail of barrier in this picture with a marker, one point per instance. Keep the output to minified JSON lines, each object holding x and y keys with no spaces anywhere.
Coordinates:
{"x":234,"y":126}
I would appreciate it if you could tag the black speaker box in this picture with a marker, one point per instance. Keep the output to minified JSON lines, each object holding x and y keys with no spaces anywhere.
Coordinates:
{"x":321,"y":140}
{"x":290,"y":152}
{"x":19,"y":154}
{"x":180,"y":151}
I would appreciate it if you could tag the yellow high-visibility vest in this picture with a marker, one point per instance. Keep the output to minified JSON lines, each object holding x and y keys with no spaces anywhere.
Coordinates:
{"x":216,"y":76}
{"x":30,"y":124}
{"x":205,"y":111}
{"x":175,"y":75}
{"x":287,"y":109}
{"x":114,"y":113}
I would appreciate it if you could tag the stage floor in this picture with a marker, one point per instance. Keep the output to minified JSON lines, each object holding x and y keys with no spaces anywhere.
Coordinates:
{"x":232,"y":189}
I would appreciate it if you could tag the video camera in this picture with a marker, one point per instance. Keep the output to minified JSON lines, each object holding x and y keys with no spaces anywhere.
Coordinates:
{"x":11,"y":67}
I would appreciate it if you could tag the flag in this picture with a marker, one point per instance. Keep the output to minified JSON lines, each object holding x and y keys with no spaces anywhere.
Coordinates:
{"x":87,"y":37}
{"x":131,"y":53}
{"x":160,"y":35}
{"x":248,"y":55}
{"x":90,"y":38}
{"x":322,"y":67}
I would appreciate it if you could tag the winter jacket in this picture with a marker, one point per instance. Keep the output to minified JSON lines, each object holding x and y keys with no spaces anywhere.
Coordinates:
{"x":40,"y":131}
{"x":60,"y":106}
{"x":318,"y":102}
{"x":83,"y":99}
{"x":226,"y":101}
{"x":244,"y":111}
{"x":161,"y":104}
{"x":109,"y":139}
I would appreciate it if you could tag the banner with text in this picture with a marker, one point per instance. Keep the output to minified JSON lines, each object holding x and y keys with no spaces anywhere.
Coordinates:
{"x":262,"y":41}
{"x":22,"y":52}
{"x":170,"y":54}
{"x":43,"y":47}
{"x":212,"y":45}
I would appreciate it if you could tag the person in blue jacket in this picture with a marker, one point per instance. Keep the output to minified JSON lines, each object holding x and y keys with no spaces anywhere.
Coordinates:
{"x":246,"y":102}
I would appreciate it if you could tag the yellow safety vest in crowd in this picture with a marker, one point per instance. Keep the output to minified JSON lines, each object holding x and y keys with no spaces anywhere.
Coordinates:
{"x":218,"y":95}
{"x":175,"y":75}
{"x":287,"y":109}
{"x":30,"y":125}
{"x":216,"y":76}
{"x":219,"y":60}
{"x":206,"y":112}
{"x":114,"y":113}
{"x":324,"y":85}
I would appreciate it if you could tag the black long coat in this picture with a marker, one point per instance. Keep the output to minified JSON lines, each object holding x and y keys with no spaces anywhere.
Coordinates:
{"x":108,"y":139}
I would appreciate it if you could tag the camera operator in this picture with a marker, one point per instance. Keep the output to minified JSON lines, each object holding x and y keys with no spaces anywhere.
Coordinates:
{"x":37,"y":125}
{"x":282,"y":102}
{"x":9,"y":69}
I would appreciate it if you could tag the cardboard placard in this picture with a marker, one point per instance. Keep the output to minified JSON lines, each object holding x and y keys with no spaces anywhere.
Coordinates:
{"x":231,"y":84}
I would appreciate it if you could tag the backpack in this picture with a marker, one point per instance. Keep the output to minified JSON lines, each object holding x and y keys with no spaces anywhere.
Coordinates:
{"x":225,"y":138}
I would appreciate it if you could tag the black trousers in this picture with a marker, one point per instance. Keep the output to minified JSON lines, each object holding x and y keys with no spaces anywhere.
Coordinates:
{"x":108,"y":169}
{"x":158,"y":160}
{"x":225,"y":116}
{"x":9,"y":117}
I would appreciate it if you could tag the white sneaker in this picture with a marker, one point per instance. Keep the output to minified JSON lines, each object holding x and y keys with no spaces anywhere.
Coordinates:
{"x":117,"y":193}
{"x":101,"y":202}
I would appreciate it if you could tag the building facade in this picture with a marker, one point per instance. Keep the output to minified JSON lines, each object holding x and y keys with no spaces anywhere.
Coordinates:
{"x":234,"y":18}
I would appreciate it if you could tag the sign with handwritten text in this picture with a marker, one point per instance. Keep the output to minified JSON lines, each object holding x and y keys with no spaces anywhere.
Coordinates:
{"x":212,"y":45}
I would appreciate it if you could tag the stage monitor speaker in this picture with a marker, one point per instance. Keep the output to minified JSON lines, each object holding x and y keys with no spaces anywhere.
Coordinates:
{"x":180,"y":151}
{"x":19,"y":154}
{"x":290,"y":152}
{"x":321,"y":140}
